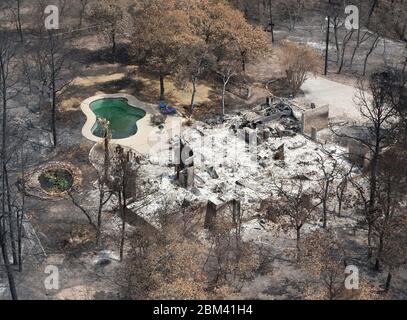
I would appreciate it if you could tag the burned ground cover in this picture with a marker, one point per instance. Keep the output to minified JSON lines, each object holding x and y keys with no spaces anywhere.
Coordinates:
{"x":286,"y":181}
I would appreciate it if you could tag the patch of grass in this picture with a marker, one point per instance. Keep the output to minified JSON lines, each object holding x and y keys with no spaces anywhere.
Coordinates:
{"x":56,"y":180}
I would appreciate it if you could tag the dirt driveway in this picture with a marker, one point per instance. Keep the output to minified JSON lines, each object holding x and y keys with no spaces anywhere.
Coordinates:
{"x":340,"y":97}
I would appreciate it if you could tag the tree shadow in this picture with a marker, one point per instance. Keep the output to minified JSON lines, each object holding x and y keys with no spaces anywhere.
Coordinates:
{"x":102,"y":55}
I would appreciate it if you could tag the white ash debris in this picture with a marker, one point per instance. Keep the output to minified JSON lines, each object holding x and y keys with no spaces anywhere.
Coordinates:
{"x":227,"y":166}
{"x":278,"y":117}
{"x":230,"y":164}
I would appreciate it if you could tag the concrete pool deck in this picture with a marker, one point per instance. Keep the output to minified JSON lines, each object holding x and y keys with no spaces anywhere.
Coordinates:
{"x":147,"y":134}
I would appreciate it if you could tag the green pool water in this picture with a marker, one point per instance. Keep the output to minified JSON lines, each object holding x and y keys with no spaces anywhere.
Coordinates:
{"x":122,"y":117}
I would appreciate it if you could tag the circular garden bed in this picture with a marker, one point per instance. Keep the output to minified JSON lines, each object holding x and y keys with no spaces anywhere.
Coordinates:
{"x":59,"y":180}
{"x":52,"y":180}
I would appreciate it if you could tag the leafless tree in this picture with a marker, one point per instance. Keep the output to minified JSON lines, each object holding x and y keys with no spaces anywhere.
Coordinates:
{"x":394,"y":248}
{"x":226,"y":70}
{"x":330,"y":167}
{"x":381,"y":122}
{"x":342,"y":187}
{"x":15,"y":7}
{"x":291,"y":11}
{"x":7,"y":92}
{"x":298,"y":62}
{"x":49,"y":71}
{"x":293,"y":203}
{"x":132,"y":191}
{"x":197,"y":60}
{"x":324,"y":258}
{"x":83,"y":5}
{"x":341,"y":55}
{"x":103,"y":184}
{"x":112,"y":16}
{"x":392,"y":188}
{"x":126,"y":173}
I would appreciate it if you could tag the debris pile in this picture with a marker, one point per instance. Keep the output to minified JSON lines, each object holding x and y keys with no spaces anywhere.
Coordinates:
{"x":275,"y":118}
{"x":235,"y":158}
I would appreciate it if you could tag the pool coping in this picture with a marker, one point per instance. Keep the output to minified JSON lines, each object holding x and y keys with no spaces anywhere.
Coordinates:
{"x":140,"y":141}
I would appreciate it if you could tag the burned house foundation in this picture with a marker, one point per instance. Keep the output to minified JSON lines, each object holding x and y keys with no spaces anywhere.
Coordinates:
{"x":228,"y":167}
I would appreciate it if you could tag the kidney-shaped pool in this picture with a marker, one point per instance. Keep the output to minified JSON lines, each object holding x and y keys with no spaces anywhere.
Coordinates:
{"x":122,"y":117}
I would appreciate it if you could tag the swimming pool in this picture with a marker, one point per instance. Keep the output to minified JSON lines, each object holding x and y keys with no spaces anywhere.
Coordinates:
{"x":121,"y":115}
